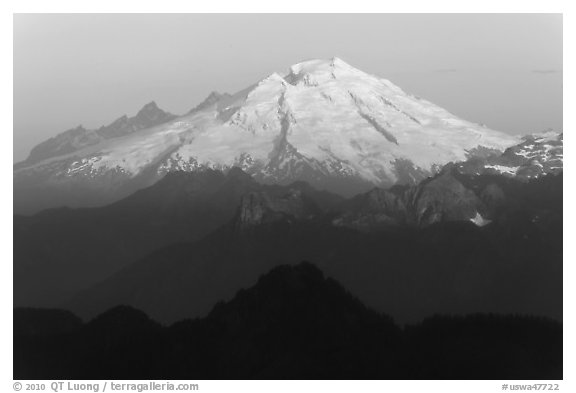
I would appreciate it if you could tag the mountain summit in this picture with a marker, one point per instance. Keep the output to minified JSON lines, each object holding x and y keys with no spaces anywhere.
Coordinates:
{"x":324,"y":122}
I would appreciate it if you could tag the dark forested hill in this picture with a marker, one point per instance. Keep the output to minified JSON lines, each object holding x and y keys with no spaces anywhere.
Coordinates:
{"x":293,"y":324}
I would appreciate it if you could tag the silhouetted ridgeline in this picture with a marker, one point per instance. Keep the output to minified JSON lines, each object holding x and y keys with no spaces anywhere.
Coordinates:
{"x":464,"y":243}
{"x":293,"y":324}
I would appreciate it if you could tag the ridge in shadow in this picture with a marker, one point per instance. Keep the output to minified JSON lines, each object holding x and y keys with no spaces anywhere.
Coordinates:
{"x":293,"y":324}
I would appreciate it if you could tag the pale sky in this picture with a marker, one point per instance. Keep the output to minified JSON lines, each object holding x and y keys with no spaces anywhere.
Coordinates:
{"x":503,"y":70}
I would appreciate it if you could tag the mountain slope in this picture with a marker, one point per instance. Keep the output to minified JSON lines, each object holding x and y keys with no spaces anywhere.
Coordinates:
{"x":444,"y":263}
{"x":325,"y":122}
{"x":60,"y":251}
{"x":293,"y":323}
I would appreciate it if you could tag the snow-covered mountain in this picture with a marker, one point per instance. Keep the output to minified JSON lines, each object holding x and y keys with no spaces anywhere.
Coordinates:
{"x":536,"y":155}
{"x":324,"y":122}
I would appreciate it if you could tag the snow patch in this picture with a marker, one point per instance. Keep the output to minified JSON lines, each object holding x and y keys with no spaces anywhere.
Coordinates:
{"x":504,"y":169}
{"x":480,"y":221}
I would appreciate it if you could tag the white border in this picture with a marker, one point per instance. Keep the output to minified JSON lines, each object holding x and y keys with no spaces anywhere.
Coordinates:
{"x":249,"y":6}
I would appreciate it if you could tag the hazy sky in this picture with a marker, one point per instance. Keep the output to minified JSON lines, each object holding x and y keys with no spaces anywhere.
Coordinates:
{"x":504,"y":70}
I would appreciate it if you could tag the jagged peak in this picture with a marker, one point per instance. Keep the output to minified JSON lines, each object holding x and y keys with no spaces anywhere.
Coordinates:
{"x":210,"y":100}
{"x":151,"y":115}
{"x":215,"y":96}
{"x":150,"y":107}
